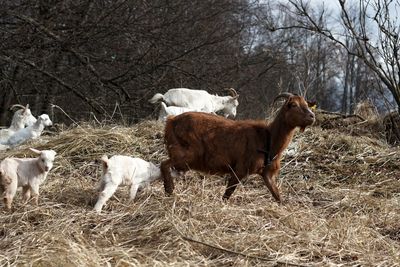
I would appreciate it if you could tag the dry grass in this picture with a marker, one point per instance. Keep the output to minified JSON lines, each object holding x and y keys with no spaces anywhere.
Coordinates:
{"x":341,"y":207}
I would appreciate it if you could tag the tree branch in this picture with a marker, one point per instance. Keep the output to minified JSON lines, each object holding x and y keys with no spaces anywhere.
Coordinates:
{"x":76,"y":92}
{"x":84,"y":60}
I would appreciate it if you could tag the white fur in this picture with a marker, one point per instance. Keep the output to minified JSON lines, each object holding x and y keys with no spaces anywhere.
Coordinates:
{"x":21,"y":118}
{"x":124,"y":170}
{"x":198,"y":100}
{"x":171,"y":111}
{"x":27,"y":173}
{"x":30,"y":132}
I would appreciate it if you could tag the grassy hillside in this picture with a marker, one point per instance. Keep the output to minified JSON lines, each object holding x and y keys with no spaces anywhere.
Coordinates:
{"x":341,"y":206}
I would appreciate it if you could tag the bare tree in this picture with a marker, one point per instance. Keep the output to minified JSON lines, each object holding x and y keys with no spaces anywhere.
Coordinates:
{"x":311,"y":63}
{"x":380,"y":55}
{"x":97,"y":54}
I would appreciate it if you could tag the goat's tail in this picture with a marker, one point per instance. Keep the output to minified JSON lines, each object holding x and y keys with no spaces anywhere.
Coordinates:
{"x":163,"y":106}
{"x":156,"y":98}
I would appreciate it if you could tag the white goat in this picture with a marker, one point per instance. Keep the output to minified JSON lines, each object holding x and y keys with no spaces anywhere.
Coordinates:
{"x":126,"y":171}
{"x":27,"y":173}
{"x":21,"y":118}
{"x":171,"y":110}
{"x":199,"y":100}
{"x":30,"y":132}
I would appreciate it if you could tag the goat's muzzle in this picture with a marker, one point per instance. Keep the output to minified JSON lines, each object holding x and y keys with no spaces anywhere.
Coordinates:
{"x":311,"y":117}
{"x":308,"y":120}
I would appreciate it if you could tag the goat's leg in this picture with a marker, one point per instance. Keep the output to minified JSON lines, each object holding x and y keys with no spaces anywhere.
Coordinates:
{"x":134,"y":189}
{"x":269,"y":177}
{"x":7,"y":201}
{"x":230,"y":188}
{"x":236,"y":176}
{"x":35,"y":193}
{"x":10,"y":189}
{"x":166,"y":174}
{"x":26,"y":193}
{"x":100,"y":186}
{"x":2,"y":195}
{"x":109,"y":190}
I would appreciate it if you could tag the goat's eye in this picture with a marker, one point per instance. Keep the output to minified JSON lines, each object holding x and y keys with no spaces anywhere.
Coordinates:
{"x":292,"y":105}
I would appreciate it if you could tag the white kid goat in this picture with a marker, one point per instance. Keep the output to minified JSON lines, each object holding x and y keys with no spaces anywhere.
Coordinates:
{"x":171,"y":110}
{"x":21,"y":118}
{"x":199,"y":100}
{"x":126,"y":171}
{"x":31,"y":132}
{"x":28,"y":173}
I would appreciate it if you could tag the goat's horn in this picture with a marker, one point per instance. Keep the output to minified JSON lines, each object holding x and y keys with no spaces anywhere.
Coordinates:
{"x":283,"y":95}
{"x":16,"y":106}
{"x":232,"y":92}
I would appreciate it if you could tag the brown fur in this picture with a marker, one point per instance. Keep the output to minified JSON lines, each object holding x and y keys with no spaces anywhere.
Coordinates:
{"x":216,"y":145}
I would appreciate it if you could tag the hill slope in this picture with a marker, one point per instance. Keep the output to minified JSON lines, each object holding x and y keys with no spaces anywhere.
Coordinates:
{"x":341,"y":207}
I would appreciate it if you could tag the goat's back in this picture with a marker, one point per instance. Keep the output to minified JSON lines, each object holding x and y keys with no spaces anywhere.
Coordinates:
{"x":213,"y":144}
{"x":131,"y":169}
{"x":189,"y":98}
{"x":21,"y":169}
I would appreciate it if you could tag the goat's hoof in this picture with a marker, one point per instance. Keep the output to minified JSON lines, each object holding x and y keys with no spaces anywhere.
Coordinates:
{"x":169,"y":193}
{"x":225,"y":198}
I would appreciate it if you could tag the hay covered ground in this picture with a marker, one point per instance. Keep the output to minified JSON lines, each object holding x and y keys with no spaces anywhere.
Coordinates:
{"x":341,"y":207}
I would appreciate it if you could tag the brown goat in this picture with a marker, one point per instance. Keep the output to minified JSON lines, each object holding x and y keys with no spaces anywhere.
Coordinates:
{"x":216,"y":145}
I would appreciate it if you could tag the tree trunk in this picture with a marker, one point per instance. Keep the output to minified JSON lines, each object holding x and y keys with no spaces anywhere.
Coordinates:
{"x":8,"y":96}
{"x":346,"y":86}
{"x":351,"y":91}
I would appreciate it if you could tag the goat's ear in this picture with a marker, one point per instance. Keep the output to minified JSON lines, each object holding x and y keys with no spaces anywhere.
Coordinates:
{"x":34,"y":150}
{"x":104,"y":161}
{"x":312,"y":104}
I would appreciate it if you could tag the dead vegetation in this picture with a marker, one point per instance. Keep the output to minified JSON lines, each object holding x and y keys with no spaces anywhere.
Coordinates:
{"x":392,"y":127}
{"x":341,"y":207}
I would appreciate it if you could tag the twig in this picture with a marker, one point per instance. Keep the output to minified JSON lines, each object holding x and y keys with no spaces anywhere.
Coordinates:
{"x":75,"y":91}
{"x":239,"y":253}
{"x":83,"y":59}
{"x":95,"y":118}
{"x":65,"y":113}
